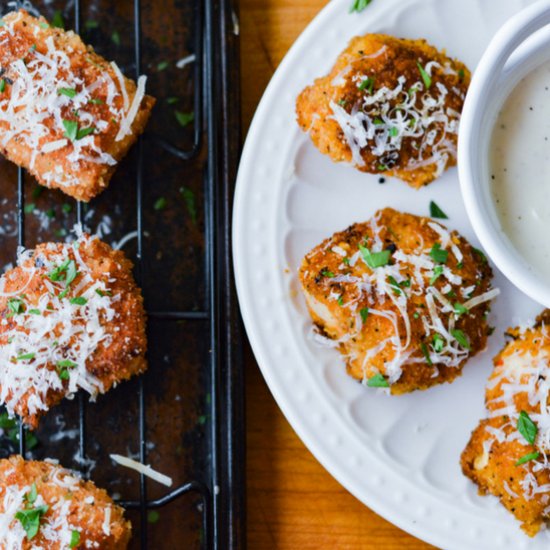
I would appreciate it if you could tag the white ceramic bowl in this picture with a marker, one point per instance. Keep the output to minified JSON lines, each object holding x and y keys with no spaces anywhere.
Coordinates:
{"x":521,"y":45}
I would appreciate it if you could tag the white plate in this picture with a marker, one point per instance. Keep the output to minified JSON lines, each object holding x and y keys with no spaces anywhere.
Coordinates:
{"x":398,"y":455}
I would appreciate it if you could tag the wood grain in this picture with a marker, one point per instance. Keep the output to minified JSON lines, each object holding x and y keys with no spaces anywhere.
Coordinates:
{"x":292,"y":501}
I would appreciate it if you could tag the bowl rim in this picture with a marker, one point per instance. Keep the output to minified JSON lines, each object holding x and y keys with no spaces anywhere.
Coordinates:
{"x":520,"y":45}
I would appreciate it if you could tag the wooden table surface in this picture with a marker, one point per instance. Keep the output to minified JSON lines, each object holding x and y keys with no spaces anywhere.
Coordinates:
{"x":293,"y":503}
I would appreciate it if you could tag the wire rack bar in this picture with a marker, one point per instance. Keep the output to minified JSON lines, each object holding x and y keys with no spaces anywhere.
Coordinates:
{"x":179,"y":315}
{"x":21,"y":243}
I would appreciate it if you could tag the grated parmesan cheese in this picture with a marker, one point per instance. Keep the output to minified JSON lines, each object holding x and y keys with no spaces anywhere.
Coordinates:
{"x":384,"y":119}
{"x":401,"y":281}
{"x":44,"y":92}
{"x":142,"y":469}
{"x":46,"y":346}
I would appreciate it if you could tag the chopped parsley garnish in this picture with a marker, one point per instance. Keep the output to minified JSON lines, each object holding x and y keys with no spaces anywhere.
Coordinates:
{"x":66,"y":208}
{"x":184,"y":119}
{"x":15,"y":306}
{"x":78,"y":301}
{"x":398,"y":285}
{"x":367,"y":84}
{"x":461,"y":74}
{"x":375,"y":259}
{"x":460,"y":265}
{"x":327,"y":273}
{"x":66,"y":271}
{"x":426,"y":353}
{"x":91,"y":24}
{"x":436,"y":212}
{"x":461,"y":338}
{"x":460,"y":309}
{"x":172,"y":100}
{"x":43,"y":25}
{"x":25,"y":357}
{"x":153,"y":516}
{"x":75,"y":539}
{"x":37,"y":191}
{"x":96,"y":101}
{"x":63,"y":367}
{"x":364,"y":312}
{"x":378,"y":122}
{"x":2,"y":85}
{"x":377,"y":381}
{"x":69,"y":92}
{"x":71,"y":129}
{"x":527,"y":428}
{"x":66,"y":363}
{"x":9,"y":425}
{"x":395,"y":285}
{"x":83,"y":132}
{"x":160,"y":203}
{"x":438,"y":343}
{"x":101,"y":293}
{"x":394,"y":132}
{"x":439,"y":254}
{"x":30,"y":519}
{"x":29,"y":208}
{"x":359,"y":5}
{"x":34,"y":312}
{"x":115,"y":37}
{"x":416,"y":315}
{"x":32,"y":495}
{"x":346,"y":261}
{"x":481,"y":254}
{"x":438,"y":271}
{"x":57,"y":20}
{"x":426,"y":78}
{"x":382,"y":167}
{"x":527,"y":458}
{"x":340,"y":300}
{"x":189,"y":199}
{"x":163,"y":65}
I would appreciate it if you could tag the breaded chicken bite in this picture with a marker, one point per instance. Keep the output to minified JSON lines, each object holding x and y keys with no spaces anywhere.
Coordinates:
{"x":72,"y":318}
{"x":44,"y":506}
{"x":66,"y":114}
{"x":507,"y":455}
{"x":403,"y":299}
{"x":389,"y":106}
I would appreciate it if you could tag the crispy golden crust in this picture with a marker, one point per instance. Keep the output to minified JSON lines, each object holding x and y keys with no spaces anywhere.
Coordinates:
{"x":123,"y":354}
{"x":399,"y":233}
{"x":86,"y":510}
{"x":30,"y":35}
{"x":398,"y":58}
{"x":496,"y":469}
{"x":490,"y":460}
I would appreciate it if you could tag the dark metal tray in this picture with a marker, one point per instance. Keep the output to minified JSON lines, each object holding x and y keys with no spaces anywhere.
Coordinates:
{"x":171,"y":202}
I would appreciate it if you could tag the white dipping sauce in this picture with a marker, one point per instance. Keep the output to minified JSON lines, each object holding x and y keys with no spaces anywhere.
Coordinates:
{"x":520,"y":168}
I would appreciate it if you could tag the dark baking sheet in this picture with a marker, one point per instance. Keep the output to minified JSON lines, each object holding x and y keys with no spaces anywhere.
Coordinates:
{"x":184,"y":416}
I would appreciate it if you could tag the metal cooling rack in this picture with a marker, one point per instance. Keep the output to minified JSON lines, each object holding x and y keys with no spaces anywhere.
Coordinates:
{"x":215,"y":97}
